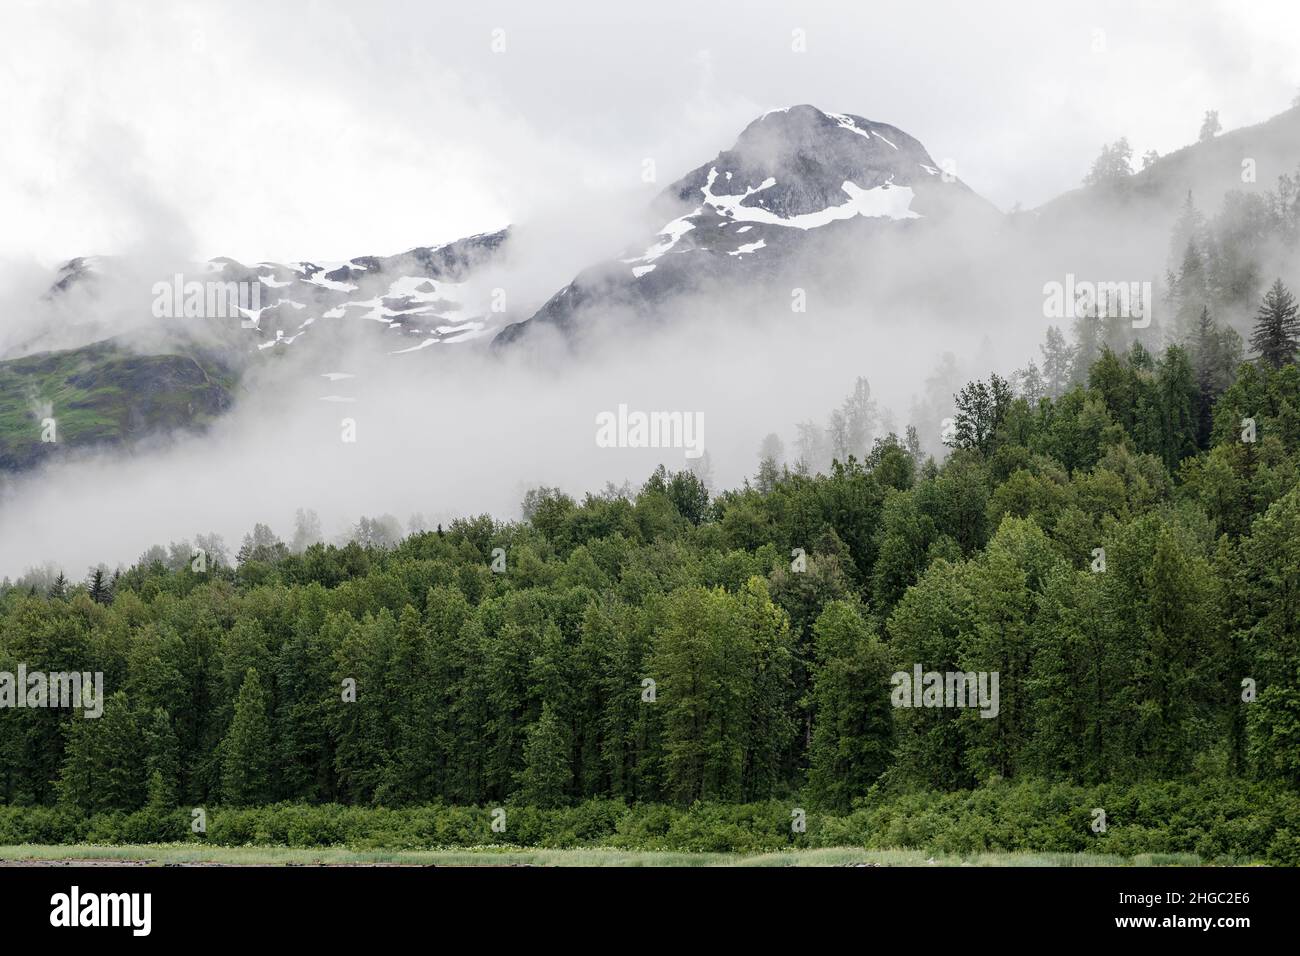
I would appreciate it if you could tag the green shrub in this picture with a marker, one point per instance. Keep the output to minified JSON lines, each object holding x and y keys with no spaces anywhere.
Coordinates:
{"x":1220,"y":821}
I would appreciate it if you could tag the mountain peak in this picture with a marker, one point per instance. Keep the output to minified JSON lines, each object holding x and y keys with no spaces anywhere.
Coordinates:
{"x":806,"y":124}
{"x":810,"y":155}
{"x":797,"y":180}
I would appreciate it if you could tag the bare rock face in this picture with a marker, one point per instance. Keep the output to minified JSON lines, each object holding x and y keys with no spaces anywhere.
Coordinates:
{"x":799,"y":182}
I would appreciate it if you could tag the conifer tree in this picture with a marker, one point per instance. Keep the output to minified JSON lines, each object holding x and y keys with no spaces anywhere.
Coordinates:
{"x":98,"y":587}
{"x":1087,"y":345}
{"x":1215,"y":353}
{"x":771,"y":455}
{"x":1057,"y":360}
{"x":1176,"y":428}
{"x":545,"y":778}
{"x":246,"y":749}
{"x":1188,"y":292}
{"x":1277,"y":328}
{"x":161,"y":760}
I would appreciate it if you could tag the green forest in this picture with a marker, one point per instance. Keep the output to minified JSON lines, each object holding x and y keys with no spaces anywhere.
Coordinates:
{"x":676,"y":666}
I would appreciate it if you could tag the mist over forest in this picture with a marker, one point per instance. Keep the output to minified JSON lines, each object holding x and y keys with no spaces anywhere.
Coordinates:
{"x":650,"y":437}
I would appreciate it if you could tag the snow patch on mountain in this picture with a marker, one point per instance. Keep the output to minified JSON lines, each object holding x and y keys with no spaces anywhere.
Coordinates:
{"x":319,"y":279}
{"x":888,"y":200}
{"x":668,"y":237}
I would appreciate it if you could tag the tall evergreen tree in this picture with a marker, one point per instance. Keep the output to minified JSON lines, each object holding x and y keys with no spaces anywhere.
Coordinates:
{"x":1277,"y":328}
{"x":1215,"y":353}
{"x":1087,"y":345}
{"x":246,"y":749}
{"x":1188,"y":232}
{"x":1188,"y":292}
{"x":1177,"y":400}
{"x":1057,"y":360}
{"x":99,"y":587}
{"x":161,"y":760}
{"x":546,"y":775}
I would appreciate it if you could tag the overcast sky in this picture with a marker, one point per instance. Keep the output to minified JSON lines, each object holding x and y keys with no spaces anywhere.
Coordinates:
{"x":327,"y":130}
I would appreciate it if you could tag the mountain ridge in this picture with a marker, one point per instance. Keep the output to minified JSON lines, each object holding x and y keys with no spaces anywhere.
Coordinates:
{"x":750,"y":210}
{"x":798,"y":186}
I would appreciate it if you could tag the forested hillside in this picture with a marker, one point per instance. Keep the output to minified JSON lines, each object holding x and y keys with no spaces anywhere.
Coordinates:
{"x":1125,"y":555}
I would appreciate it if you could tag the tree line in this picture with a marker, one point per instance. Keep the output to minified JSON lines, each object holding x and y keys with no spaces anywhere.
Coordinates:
{"x":1124,"y":555}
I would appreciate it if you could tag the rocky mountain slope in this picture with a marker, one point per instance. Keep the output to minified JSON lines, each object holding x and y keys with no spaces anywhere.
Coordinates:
{"x":103,"y":395}
{"x":799,"y":182}
{"x":803,"y":195}
{"x":181,"y":372}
